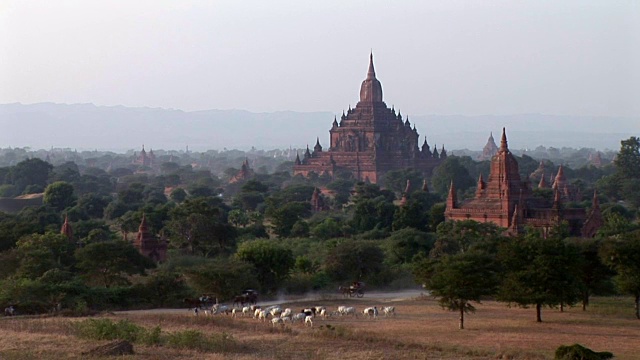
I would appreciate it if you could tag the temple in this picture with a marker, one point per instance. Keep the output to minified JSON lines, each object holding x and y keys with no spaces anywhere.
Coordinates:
{"x":145,"y":159}
{"x":148,"y":244}
{"x":489,"y":150}
{"x":66,"y":229}
{"x":245,"y":173}
{"x":369,"y":140}
{"x":507,"y":201}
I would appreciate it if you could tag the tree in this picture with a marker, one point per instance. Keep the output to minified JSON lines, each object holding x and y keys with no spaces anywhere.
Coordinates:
{"x":238,"y":217}
{"x":201,"y":226}
{"x":396,"y":180}
{"x":354,"y":260}
{"x":403,"y":245}
{"x":288,"y":215}
{"x":272,"y":262}
{"x":30,"y":172}
{"x":595,"y":276}
{"x":92,"y":205}
{"x":40,"y":253}
{"x":451,"y":169}
{"x":327,"y":229}
{"x":59,"y":195}
{"x":415,"y":212}
{"x":622,"y":254}
{"x":540,"y":272}
{"x":459,"y":279}
{"x":455,"y":237}
{"x":628,"y":160}
{"x":222,"y":277}
{"x":373,"y":208}
{"x":110,"y":262}
{"x":178,"y":195}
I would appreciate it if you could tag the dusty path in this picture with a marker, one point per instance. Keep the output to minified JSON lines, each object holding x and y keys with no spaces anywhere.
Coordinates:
{"x":373,"y":296}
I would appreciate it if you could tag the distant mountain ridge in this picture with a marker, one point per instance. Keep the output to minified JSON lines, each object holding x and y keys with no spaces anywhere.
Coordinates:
{"x":119,"y":128}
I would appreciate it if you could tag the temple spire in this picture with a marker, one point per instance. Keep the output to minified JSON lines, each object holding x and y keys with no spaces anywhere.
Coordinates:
{"x":503,"y":141}
{"x":543,"y":183}
{"x":66,"y":228}
{"x":371,"y":73}
{"x":425,"y":187}
{"x":451,"y":198}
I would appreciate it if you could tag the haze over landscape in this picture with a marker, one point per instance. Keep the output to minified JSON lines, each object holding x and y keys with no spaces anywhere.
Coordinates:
{"x":166,"y":74}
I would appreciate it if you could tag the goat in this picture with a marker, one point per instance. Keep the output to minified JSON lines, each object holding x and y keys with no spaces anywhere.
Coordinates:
{"x":309,"y":311}
{"x":275,"y":311}
{"x":286,"y":313}
{"x":263,"y":315}
{"x":245,"y":310}
{"x":350,"y":310}
{"x":389,"y":310}
{"x":324,"y":314}
{"x":308,"y":320}
{"x":219,"y":309}
{"x":277,"y":321}
{"x":298,"y":317}
{"x":371,"y":312}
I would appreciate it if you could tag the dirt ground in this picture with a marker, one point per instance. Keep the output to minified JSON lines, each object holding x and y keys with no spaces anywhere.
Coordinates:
{"x":419,"y":330}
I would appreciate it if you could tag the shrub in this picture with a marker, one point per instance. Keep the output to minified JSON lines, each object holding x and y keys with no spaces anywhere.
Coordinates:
{"x":106,"y":329}
{"x":579,"y":352}
{"x":196,"y":340}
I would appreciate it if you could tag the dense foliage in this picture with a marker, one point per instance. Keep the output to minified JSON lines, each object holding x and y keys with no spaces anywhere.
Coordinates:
{"x":225,"y":236}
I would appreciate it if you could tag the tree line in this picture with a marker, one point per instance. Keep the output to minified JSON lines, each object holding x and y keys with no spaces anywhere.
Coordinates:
{"x":263,"y":233}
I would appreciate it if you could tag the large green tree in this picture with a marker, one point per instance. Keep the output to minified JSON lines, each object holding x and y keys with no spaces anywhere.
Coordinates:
{"x":223,"y":277}
{"x":272,"y":262}
{"x":201,"y":227}
{"x":30,"y":172}
{"x":403,"y":245}
{"x":354,"y":260}
{"x":457,"y":280}
{"x":451,"y":169}
{"x":109,"y":263}
{"x":539,"y":272}
{"x":622,"y":254}
{"x":595,"y":276}
{"x":628,"y":160}
{"x":40,"y":253}
{"x":59,"y":195}
{"x":455,"y":237}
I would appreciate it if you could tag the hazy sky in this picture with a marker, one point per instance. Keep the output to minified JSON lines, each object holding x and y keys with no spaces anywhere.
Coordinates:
{"x":432,"y":57}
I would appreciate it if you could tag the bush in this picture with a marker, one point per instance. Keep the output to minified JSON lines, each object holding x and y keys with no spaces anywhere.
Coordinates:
{"x":193,"y":339}
{"x":106,"y":329}
{"x":579,"y":352}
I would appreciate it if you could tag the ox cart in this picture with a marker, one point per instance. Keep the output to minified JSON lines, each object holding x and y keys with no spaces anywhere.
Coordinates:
{"x":356,"y":289}
{"x":248,"y":296}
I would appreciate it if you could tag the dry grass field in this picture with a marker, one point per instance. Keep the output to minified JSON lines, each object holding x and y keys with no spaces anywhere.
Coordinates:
{"x":420,"y":330}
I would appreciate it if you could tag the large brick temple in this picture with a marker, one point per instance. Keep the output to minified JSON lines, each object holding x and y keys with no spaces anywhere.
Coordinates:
{"x":370,"y":140}
{"x":507,"y":201}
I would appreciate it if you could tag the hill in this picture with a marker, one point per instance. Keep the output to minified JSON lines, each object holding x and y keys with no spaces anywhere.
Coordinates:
{"x":118,"y":128}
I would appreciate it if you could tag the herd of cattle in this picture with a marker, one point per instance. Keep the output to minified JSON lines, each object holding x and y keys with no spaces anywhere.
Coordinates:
{"x":279,"y":316}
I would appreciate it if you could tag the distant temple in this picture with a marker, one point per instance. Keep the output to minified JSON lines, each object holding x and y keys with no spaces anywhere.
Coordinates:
{"x":66,"y":229}
{"x":489,"y":150}
{"x":148,"y":244}
{"x":508,"y":202}
{"x":144,"y":158}
{"x":317,"y":201}
{"x":244,"y":174}
{"x":370,"y":140}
